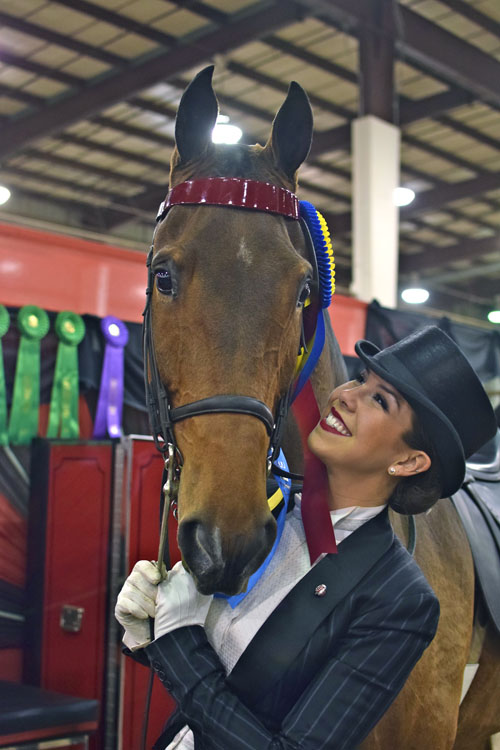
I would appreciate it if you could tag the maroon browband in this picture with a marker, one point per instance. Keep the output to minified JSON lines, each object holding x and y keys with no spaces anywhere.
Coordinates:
{"x":232,"y":191}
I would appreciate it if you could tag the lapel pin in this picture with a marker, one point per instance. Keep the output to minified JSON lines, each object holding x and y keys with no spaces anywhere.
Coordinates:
{"x":320,"y":590}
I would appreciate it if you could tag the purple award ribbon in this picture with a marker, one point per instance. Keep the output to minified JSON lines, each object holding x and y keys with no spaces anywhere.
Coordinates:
{"x":110,"y":404}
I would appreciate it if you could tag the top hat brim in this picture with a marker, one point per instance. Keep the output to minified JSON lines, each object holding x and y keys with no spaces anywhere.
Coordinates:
{"x":441,"y":432}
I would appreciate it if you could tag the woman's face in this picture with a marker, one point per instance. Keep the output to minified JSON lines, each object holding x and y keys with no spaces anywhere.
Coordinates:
{"x":362,"y":427}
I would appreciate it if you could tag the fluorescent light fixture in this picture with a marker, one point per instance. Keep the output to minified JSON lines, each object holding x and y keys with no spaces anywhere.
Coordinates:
{"x":403,"y":196}
{"x":4,"y":194}
{"x":494,"y":316}
{"x":224,"y":132}
{"x":415,"y":295}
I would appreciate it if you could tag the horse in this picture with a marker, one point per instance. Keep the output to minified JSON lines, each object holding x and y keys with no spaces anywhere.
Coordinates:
{"x":223,"y":326}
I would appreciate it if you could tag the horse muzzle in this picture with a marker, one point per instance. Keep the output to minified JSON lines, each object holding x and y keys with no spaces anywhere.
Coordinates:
{"x":220,"y":567}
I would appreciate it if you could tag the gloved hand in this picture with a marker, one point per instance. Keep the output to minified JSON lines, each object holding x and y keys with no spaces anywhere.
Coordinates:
{"x":178,"y":602}
{"x":136,"y":603}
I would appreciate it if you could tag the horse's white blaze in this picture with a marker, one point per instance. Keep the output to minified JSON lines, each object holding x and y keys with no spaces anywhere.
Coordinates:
{"x":244,"y":253}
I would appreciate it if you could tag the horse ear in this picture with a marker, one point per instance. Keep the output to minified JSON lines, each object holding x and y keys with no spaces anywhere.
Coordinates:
{"x":196,"y":116}
{"x":291,"y":134}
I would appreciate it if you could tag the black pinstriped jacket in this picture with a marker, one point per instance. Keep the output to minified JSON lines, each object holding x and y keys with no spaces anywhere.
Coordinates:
{"x":321,"y":671}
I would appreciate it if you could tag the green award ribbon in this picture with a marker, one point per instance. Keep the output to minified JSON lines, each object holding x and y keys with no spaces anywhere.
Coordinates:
{"x":4,"y":327}
{"x":33,"y":323}
{"x":63,"y":414}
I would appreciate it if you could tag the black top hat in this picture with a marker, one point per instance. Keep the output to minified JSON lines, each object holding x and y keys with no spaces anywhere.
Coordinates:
{"x":433,"y":375}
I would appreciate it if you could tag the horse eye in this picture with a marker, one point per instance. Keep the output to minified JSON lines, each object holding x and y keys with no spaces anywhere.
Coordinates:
{"x":164,"y":282}
{"x":304,"y":295}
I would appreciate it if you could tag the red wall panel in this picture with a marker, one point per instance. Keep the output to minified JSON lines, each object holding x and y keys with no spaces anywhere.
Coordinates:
{"x":58,"y":272}
{"x":348,"y":317}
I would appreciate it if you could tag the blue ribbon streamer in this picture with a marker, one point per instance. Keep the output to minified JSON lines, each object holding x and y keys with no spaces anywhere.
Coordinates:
{"x":284,"y":485}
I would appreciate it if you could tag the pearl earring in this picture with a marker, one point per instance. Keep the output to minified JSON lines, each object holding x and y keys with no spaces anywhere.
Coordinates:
{"x":392,"y":470}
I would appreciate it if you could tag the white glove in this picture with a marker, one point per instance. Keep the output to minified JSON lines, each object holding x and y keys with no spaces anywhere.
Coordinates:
{"x":178,"y":602}
{"x":136,"y":603}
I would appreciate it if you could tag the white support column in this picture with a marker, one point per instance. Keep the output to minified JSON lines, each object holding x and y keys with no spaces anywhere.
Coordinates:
{"x":375,"y":218}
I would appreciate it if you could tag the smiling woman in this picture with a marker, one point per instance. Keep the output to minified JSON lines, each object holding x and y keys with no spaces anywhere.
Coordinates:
{"x":321,"y":646}
{"x":362,"y":468}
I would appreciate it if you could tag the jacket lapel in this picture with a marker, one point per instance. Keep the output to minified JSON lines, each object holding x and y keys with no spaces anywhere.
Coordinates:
{"x":288,"y":629}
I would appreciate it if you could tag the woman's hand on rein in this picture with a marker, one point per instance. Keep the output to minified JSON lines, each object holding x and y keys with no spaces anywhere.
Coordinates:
{"x":179,"y":603}
{"x":173,"y":603}
{"x":136,"y":603}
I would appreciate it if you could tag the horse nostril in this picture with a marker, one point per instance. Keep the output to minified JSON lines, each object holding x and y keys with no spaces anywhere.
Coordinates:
{"x":216,"y":567}
{"x":198,"y":546}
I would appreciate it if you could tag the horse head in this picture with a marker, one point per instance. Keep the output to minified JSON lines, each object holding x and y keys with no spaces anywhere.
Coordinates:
{"x":229,"y":285}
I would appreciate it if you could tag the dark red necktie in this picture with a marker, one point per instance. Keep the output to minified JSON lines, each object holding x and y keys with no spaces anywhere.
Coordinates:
{"x":314,"y":507}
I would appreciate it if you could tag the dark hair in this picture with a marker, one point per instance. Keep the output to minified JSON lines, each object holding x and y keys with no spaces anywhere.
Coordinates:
{"x":418,"y":493}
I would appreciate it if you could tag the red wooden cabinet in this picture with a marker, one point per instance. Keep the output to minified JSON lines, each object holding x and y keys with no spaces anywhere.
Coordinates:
{"x":68,"y":544}
{"x":94,"y":511}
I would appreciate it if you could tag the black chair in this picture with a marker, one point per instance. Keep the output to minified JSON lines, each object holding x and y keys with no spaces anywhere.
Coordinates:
{"x":30,"y":715}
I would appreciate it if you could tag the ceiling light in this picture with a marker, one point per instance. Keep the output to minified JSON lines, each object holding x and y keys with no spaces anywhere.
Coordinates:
{"x":415,"y":295}
{"x":4,"y":194}
{"x":224,"y":132}
{"x":494,"y":315}
{"x":402,"y":196}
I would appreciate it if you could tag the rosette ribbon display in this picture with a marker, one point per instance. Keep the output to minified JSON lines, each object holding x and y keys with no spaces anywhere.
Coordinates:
{"x":33,"y":324}
{"x":4,"y":327}
{"x":110,"y":404}
{"x":63,"y":415}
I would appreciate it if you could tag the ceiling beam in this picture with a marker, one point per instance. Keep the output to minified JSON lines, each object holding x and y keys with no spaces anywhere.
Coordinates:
{"x":464,"y":274}
{"x":120,"y":21}
{"x":442,"y":153}
{"x":431,"y":199}
{"x":119,"y":86}
{"x":459,"y":62}
{"x":88,"y":192}
{"x":426,"y":44}
{"x":134,"y":131}
{"x":8,"y":58}
{"x":53,"y":158}
{"x":487,"y":23}
{"x":274,"y":83}
{"x":461,"y":127}
{"x":436,"y":257}
{"x":485,"y":287}
{"x":339,"y":138}
{"x":376,"y":61}
{"x":61,"y":40}
{"x":276,"y":42}
{"x":450,"y":303}
{"x":32,"y":100}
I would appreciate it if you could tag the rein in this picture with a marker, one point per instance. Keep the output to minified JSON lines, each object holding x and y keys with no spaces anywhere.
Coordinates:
{"x":240,"y":193}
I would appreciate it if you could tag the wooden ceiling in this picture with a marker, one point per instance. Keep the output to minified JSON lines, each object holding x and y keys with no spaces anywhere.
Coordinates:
{"x":89,"y":90}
